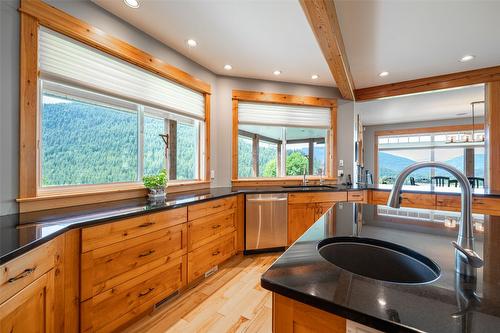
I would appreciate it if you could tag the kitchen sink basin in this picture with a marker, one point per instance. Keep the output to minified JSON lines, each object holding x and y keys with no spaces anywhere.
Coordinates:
{"x":311,"y":187}
{"x":379,"y":260}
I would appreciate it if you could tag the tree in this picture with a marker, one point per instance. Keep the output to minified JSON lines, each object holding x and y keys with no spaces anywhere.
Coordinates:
{"x":296,"y":163}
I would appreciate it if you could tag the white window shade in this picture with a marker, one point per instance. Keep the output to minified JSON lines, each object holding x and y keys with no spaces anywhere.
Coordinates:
{"x":283,"y":115}
{"x":64,"y":60}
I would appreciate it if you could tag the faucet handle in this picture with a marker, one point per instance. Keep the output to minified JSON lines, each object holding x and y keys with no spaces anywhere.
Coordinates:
{"x":471,"y":257}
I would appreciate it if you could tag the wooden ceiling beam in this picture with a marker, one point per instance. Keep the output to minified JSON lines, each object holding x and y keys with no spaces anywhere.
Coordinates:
{"x":446,"y":81}
{"x":322,"y":18}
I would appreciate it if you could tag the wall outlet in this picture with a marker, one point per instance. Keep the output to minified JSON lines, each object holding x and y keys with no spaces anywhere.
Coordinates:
{"x":340,"y":173}
{"x":341,"y":163}
{"x":212,"y":174}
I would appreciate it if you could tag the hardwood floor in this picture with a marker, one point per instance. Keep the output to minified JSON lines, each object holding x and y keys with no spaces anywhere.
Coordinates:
{"x":231,"y":300}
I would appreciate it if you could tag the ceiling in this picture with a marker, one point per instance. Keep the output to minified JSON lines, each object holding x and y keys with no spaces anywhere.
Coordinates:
{"x":414,"y":39}
{"x":254,"y":37}
{"x":436,"y":105}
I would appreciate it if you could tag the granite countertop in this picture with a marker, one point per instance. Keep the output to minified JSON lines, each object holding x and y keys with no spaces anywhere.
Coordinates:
{"x":439,"y":306}
{"x":20,"y":233}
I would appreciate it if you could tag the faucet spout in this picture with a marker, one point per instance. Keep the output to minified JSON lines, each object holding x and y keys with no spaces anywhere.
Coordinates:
{"x":466,"y":260}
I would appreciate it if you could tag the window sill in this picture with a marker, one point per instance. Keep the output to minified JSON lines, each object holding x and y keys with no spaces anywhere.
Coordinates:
{"x":59,"y":197}
{"x":295,"y":180}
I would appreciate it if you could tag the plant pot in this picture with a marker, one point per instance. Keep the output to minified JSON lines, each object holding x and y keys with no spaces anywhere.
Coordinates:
{"x":157,"y":194}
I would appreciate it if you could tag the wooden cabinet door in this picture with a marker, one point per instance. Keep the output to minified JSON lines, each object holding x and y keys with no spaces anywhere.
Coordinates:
{"x":32,"y":309}
{"x":321,"y":208}
{"x":300,"y":218}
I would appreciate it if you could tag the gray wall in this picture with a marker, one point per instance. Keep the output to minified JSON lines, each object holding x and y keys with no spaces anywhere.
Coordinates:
{"x":220,"y":103}
{"x":9,"y":105}
{"x":369,"y":133}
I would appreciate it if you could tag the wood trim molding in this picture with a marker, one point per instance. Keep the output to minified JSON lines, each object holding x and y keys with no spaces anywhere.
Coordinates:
{"x":207,"y":137}
{"x":68,"y":25}
{"x":322,"y":18}
{"x":28,"y":103}
{"x":446,"y":81}
{"x":234,"y":172}
{"x":493,"y":133}
{"x":450,"y":128}
{"x":76,"y":197}
{"x":263,"y":97}
{"x":435,"y":129}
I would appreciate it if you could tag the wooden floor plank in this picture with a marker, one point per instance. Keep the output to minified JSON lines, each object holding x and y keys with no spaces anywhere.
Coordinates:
{"x":231,"y":300}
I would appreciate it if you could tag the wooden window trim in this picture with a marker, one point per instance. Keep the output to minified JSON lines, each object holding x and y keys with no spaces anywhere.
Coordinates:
{"x":36,"y":13}
{"x":408,"y":131}
{"x":264,"y":97}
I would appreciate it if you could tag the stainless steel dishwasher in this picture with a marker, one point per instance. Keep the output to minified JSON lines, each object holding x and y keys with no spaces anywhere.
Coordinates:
{"x":266,"y":222}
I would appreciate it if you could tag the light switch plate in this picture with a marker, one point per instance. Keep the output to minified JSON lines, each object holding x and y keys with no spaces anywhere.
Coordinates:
{"x":341,"y":163}
{"x":212,"y":174}
{"x":340,"y":173}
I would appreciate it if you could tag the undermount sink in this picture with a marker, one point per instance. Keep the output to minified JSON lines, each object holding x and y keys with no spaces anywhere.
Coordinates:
{"x":379,"y":260}
{"x":312,"y":187}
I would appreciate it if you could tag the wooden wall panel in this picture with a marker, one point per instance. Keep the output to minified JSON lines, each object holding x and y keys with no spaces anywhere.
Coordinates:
{"x":492,"y":124}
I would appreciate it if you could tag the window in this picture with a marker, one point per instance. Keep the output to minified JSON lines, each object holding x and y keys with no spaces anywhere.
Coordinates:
{"x":99,"y":131}
{"x":398,"y":151}
{"x":276,"y":140}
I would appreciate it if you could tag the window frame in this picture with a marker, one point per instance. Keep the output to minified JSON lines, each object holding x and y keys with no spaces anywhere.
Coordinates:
{"x":36,"y":14}
{"x":412,"y":131}
{"x":274,"y":98}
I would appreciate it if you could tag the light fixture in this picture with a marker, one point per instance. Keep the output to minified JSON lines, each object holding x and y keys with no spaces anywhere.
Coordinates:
{"x":191,"y":43}
{"x":382,"y":74}
{"x":277,"y":72}
{"x":228,"y":67}
{"x":315,"y":76}
{"x":132,"y":3}
{"x":467,"y":57}
{"x":467,"y":137}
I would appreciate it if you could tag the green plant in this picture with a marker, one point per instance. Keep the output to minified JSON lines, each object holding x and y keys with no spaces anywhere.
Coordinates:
{"x":154,"y":182}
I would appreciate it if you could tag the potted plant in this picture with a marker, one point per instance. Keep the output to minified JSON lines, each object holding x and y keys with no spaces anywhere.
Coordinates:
{"x":156,"y":184}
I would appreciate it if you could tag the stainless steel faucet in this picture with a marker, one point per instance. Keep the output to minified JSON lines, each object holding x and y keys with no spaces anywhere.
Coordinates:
{"x":304,"y":179}
{"x":466,"y":260}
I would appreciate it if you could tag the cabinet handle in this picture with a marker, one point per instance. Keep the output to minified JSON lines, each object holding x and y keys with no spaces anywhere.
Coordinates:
{"x":147,"y":224}
{"x":147,"y":253}
{"x":145,"y":292}
{"x":215,"y":226}
{"x":216,"y":253}
{"x":23,"y":274}
{"x":217,"y":206}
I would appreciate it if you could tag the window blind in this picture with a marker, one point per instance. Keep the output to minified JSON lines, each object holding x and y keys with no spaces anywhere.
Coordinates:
{"x":283,"y":115}
{"x":68,"y":61}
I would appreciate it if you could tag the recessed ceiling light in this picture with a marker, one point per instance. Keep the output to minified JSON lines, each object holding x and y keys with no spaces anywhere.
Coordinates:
{"x":466,"y":58}
{"x":382,"y":74}
{"x":132,"y":3}
{"x":277,"y":72}
{"x":315,"y":76}
{"x":228,"y":67}
{"x":191,"y":43}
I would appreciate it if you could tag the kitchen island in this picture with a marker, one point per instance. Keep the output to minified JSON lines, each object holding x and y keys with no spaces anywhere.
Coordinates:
{"x":311,"y":294}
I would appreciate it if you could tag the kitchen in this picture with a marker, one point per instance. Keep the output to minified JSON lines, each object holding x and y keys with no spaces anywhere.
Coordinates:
{"x":277,"y":151}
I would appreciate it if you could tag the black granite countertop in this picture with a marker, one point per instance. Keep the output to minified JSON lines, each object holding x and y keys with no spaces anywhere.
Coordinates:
{"x":439,"y":306}
{"x":20,"y":233}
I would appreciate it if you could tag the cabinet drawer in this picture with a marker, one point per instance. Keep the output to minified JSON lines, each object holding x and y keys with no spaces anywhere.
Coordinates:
{"x":419,"y":200}
{"x":358,"y":196}
{"x":448,"y":202}
{"x":485,"y":205}
{"x":211,"y":207}
{"x":379,"y":197}
{"x":114,"y":232}
{"x":112,"y":309}
{"x":109,"y":266}
{"x":206,"y":229}
{"x":314,"y":197}
{"x":20,"y":272}
{"x":210,"y":255}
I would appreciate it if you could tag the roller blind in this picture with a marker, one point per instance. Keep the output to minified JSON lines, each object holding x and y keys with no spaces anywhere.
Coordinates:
{"x":283,"y":115}
{"x":65,"y":60}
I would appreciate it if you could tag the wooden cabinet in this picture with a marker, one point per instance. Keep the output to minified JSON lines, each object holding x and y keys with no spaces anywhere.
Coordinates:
{"x":211,"y":207}
{"x":32,"y":308}
{"x":306,"y":208}
{"x":357,"y":196}
{"x":209,"y":255}
{"x":414,"y":200}
{"x":206,"y":229}
{"x":129,"y":265}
